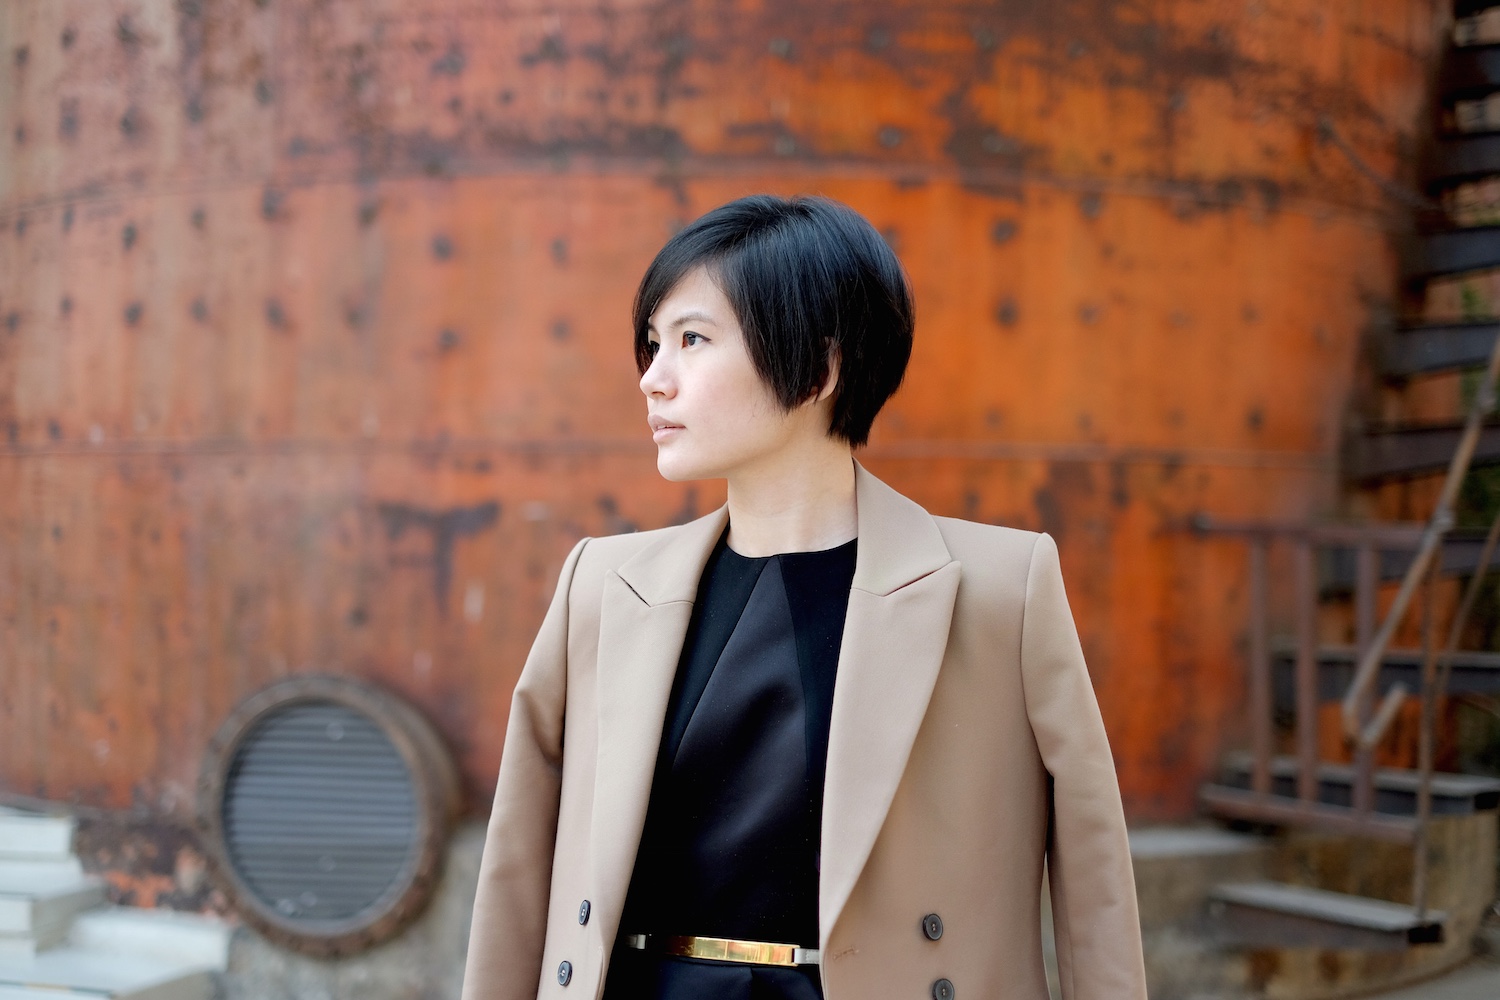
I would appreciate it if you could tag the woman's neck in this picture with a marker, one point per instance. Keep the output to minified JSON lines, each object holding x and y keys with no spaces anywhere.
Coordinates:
{"x":802,"y":502}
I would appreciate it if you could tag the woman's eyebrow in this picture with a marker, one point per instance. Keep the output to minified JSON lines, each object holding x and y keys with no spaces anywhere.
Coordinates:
{"x":689,"y":317}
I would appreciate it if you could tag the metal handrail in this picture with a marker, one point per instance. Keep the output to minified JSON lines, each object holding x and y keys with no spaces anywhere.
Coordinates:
{"x":1438,"y":526}
{"x":1433,"y":690}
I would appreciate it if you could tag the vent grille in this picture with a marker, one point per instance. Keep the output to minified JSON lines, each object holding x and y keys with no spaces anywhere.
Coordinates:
{"x":320,"y":816}
{"x":324,"y":805}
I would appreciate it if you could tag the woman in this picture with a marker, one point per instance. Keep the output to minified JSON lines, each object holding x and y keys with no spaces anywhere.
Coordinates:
{"x":819,"y":741}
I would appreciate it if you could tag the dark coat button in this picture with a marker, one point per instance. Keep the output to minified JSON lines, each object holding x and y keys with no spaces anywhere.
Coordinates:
{"x":942,"y":990}
{"x":932,"y":926}
{"x":583,"y":912}
{"x":565,"y":973}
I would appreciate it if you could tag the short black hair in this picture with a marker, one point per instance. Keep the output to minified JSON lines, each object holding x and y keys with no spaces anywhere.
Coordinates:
{"x":798,"y":272}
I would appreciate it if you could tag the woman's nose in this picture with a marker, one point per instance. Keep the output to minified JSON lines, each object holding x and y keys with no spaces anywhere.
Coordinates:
{"x":657,"y":380}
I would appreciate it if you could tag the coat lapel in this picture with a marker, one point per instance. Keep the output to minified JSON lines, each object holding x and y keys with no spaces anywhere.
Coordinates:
{"x":895,"y":634}
{"x":643,"y":620}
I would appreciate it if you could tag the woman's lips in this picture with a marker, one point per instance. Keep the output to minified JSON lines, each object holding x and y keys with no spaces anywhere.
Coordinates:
{"x":662,"y":429}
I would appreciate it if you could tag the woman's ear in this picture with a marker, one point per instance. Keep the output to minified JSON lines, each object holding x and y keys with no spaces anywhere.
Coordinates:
{"x":831,"y":382}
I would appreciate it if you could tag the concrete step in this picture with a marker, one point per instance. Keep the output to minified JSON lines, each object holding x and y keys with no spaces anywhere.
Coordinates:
{"x":1176,"y":866}
{"x":187,"y":939}
{"x":37,"y":908}
{"x":68,"y":972}
{"x":30,"y":836}
{"x":61,"y":868}
{"x":1275,"y":914}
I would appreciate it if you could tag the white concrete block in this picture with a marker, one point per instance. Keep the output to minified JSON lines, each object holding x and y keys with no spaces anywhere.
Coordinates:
{"x":34,"y":836}
{"x":187,"y":939}
{"x":44,"y":904}
{"x":119,"y":977}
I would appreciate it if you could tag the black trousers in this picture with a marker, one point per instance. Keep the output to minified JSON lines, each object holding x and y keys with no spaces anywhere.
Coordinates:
{"x":639,"y":975}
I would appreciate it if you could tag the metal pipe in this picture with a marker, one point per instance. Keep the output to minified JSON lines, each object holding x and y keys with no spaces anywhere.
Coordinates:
{"x":1260,"y":672}
{"x":1366,"y":579}
{"x":1384,"y":715}
{"x":1307,"y":675}
{"x":1425,"y":750}
{"x":1466,"y":606}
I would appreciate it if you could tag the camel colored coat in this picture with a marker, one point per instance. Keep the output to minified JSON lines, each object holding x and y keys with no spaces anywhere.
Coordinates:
{"x":965,"y":744}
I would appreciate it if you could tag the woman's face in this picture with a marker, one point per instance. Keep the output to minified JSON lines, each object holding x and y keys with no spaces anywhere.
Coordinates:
{"x":710,"y":413}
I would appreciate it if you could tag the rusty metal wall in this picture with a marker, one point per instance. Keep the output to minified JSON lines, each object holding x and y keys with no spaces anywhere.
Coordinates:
{"x":313,"y":323}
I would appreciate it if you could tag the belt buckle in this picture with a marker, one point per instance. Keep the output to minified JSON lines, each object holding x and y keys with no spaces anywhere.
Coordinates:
{"x":728,"y":950}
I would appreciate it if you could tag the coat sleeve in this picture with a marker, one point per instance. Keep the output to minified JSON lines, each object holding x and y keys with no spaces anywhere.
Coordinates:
{"x":1094,"y":910}
{"x":509,"y":924}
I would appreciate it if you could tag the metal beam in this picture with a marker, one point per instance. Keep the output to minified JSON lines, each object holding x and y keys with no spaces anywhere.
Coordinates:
{"x":1405,"y":452}
{"x":1436,"y":347}
{"x":1453,"y":251}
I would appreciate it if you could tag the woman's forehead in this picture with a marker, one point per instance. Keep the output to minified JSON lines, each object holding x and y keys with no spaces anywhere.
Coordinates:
{"x":696,"y":298}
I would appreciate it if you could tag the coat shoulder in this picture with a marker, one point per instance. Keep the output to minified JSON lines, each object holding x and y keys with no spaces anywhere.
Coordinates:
{"x":990,"y":554}
{"x":605,"y":553}
{"x":993,"y":541}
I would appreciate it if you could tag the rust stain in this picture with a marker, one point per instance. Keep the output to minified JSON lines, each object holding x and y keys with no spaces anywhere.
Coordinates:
{"x":443,"y":529}
{"x":268,"y":266}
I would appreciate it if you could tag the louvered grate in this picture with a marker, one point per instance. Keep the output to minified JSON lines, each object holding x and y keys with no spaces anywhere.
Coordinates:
{"x":320,"y":816}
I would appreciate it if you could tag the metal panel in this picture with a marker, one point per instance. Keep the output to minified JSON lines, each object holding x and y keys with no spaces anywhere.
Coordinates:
{"x":312,"y":324}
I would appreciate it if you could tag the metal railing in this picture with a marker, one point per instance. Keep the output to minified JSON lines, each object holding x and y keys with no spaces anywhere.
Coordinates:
{"x":1368,"y":541}
{"x":1364,"y":724}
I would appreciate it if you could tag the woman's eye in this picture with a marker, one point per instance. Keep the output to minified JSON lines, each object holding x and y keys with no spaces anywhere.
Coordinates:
{"x":652,"y":346}
{"x":688,"y":343}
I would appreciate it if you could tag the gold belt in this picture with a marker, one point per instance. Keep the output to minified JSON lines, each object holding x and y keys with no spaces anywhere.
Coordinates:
{"x":725,"y":949}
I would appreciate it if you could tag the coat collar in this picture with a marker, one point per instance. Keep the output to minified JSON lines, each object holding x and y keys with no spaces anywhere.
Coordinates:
{"x":903,"y":576}
{"x":898,"y":543}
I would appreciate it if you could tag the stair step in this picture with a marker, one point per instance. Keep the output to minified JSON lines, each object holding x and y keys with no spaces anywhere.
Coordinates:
{"x":1229,"y":802}
{"x":1469,"y":71}
{"x":1395,"y":788}
{"x":1458,"y":159}
{"x":183,"y":938}
{"x":88,"y":973}
{"x":1416,"y":450}
{"x":1472,"y":673}
{"x":1453,"y":251}
{"x":1175,"y":843}
{"x":28,"y":836}
{"x":36,"y":910}
{"x":62,"y":868}
{"x":1437,"y":347}
{"x":1461,"y":550}
{"x":1274,"y":913}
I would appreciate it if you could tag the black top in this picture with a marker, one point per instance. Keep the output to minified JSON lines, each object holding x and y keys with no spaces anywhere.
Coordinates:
{"x":730,"y":844}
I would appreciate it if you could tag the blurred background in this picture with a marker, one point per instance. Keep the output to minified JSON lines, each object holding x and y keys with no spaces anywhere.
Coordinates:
{"x":315,"y":362}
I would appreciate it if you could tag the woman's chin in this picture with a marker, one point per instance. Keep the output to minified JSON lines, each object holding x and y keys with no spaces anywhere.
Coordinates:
{"x":680,"y":468}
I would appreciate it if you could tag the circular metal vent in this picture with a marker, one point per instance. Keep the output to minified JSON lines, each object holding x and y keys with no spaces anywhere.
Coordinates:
{"x":325,"y":805}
